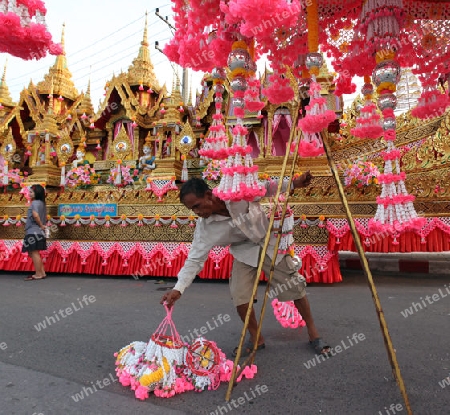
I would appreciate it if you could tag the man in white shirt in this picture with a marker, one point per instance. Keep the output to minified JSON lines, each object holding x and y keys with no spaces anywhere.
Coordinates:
{"x":242,"y":226}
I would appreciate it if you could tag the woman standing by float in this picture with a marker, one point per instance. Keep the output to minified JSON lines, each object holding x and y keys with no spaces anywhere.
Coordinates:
{"x":35,"y":231}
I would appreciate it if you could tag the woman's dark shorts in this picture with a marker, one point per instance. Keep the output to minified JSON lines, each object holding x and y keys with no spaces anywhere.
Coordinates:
{"x":34,"y":242}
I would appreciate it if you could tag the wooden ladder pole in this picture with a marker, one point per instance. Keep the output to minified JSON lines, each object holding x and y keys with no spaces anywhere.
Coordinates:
{"x":384,"y":328}
{"x":234,"y":374}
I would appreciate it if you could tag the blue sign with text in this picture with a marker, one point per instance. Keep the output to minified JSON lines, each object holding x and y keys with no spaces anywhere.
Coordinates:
{"x":88,"y":209}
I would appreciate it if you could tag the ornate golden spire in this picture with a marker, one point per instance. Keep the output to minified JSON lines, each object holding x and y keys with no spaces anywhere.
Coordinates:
{"x":142,"y":72}
{"x":325,"y":79}
{"x":189,"y":103}
{"x":176,"y":96}
{"x":5,"y":96}
{"x":86,"y":106}
{"x":62,"y":78}
{"x":173,"y":114}
{"x":50,"y":97}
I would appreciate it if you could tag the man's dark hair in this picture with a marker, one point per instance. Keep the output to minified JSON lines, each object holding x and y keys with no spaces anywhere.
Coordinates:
{"x":39,"y":192}
{"x":196,"y":186}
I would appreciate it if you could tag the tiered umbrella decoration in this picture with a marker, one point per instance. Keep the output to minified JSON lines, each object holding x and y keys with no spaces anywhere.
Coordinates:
{"x":23,"y":32}
{"x":216,"y":142}
{"x":318,"y":116}
{"x":239,"y":176}
{"x":368,"y":124}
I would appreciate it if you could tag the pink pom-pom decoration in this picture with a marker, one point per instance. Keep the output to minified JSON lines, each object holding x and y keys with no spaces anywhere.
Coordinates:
{"x":141,"y":392}
{"x":24,"y":34}
{"x":318,"y":116}
{"x":432,"y":104}
{"x":310,"y":146}
{"x":368,"y":123}
{"x":287,"y":314}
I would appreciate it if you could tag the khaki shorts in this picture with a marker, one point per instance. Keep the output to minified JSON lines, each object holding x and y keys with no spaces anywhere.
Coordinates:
{"x":287,"y":284}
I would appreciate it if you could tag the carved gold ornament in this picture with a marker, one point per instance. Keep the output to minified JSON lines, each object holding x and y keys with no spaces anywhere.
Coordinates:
{"x":8,"y":147}
{"x":65,"y":148}
{"x":187,"y":140}
{"x":121,"y":145}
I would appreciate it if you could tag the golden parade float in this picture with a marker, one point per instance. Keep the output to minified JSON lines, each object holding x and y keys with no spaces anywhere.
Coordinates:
{"x":112,"y":175}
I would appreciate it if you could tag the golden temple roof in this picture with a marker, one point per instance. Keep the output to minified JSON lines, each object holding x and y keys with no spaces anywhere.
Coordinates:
{"x":141,"y":71}
{"x":5,"y":96}
{"x":62,"y":77}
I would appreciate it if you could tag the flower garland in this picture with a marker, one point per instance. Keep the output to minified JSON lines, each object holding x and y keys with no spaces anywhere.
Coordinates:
{"x":287,"y":314}
{"x":212,"y":171}
{"x":82,"y":176}
{"x":127,"y":176}
{"x":361,"y":174}
{"x":14,"y":178}
{"x":167,"y":366}
{"x":139,"y":220}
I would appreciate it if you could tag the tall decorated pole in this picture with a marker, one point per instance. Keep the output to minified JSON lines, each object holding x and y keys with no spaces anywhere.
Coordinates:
{"x":318,"y":116}
{"x":381,"y":22}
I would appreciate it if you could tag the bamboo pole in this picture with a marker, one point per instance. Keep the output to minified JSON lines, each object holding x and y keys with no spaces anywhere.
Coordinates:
{"x":251,"y":357}
{"x":234,"y":373}
{"x":383,"y":325}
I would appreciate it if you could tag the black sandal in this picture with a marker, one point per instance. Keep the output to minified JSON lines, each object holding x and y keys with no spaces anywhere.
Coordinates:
{"x":320,"y":347}
{"x":247,"y":349}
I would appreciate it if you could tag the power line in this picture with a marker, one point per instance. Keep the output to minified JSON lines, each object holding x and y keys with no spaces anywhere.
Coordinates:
{"x":107,"y":36}
{"x":102,"y":59}
{"x":73,"y":65}
{"x":89,"y":46}
{"x":109,"y":64}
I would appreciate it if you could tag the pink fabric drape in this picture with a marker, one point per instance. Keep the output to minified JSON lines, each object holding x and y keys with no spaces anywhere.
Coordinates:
{"x":276,"y":122}
{"x":130,"y":131}
{"x":436,"y":241}
{"x":115,"y":265}
{"x":117,"y":127}
{"x":288,"y":119}
{"x":280,"y":135}
{"x":252,"y":141}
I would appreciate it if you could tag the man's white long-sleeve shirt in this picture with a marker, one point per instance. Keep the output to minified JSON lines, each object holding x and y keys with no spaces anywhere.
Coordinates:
{"x":244,"y":232}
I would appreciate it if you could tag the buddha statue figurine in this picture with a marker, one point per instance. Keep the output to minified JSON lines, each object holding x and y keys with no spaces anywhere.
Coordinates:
{"x":147,"y":161}
{"x":80,"y":158}
{"x":41,"y":155}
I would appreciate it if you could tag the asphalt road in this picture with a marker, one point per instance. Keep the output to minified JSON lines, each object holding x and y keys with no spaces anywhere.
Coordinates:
{"x":42,"y":370}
